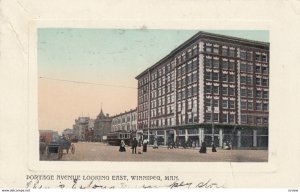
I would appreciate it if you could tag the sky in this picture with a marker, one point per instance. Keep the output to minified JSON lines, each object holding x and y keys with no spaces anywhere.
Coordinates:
{"x":82,"y":69}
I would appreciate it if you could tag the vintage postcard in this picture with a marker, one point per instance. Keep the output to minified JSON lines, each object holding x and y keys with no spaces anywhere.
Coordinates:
{"x":104,"y":100}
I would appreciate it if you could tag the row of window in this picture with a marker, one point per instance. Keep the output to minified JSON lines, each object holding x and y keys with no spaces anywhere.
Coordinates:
{"x":188,"y":92}
{"x":215,"y":76}
{"x":215,"y":63}
{"x":219,"y":118}
{"x":250,"y":119}
{"x":187,"y":67}
{"x":187,"y":80}
{"x":225,"y":51}
{"x":259,"y":81}
{"x":191,"y":104}
{"x":258,"y":106}
{"x":187,"y":54}
{"x":248,"y":92}
{"x":209,"y":89}
{"x":162,"y":122}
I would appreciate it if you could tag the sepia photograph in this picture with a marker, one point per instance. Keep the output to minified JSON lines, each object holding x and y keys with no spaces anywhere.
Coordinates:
{"x":153,"y":95}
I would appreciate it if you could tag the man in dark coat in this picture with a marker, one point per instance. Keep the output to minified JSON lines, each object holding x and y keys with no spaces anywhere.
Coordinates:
{"x":134,"y":145}
{"x":203,"y":147}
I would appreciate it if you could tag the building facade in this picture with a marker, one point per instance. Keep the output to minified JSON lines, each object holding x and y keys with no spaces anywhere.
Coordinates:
{"x":212,"y":88}
{"x":102,"y":126}
{"x":80,"y":127}
{"x":126,"y":121}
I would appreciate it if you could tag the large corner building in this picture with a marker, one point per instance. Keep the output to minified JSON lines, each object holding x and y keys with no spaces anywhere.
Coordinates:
{"x":212,"y":88}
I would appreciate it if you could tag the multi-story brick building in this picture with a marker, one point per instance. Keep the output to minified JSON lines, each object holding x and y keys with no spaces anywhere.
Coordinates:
{"x":210,"y":88}
{"x":126,"y":121}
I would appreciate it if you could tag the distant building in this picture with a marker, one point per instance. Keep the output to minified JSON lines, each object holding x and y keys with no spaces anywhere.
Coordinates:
{"x":211,"y":88}
{"x":69,"y":133}
{"x":48,"y":135}
{"x":102,"y":126}
{"x":126,"y":121}
{"x":89,"y":132}
{"x":80,"y":127}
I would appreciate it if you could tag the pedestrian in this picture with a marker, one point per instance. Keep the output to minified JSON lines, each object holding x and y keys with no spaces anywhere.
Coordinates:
{"x":134,"y":145}
{"x":213,"y":147}
{"x":155,"y":145}
{"x":203,"y":147}
{"x":122,"y":146}
{"x":145,"y":143}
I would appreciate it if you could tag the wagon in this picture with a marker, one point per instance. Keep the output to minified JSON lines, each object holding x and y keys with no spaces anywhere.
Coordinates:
{"x":58,"y":147}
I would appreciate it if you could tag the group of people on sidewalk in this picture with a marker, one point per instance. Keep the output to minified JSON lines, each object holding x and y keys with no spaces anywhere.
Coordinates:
{"x":135,"y":143}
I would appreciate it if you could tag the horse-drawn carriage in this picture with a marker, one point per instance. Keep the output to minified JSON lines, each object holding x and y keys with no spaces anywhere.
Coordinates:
{"x":58,"y":147}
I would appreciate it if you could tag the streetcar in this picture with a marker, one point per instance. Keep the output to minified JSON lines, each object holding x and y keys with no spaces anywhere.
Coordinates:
{"x":114,"y":138}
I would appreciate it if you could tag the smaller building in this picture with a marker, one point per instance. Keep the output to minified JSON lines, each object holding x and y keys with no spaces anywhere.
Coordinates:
{"x":48,"y":136}
{"x":68,"y":133}
{"x":80,"y":127}
{"x":102,"y":126}
{"x":126,"y":121}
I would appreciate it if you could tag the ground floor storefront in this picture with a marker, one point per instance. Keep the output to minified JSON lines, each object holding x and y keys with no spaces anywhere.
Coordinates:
{"x":193,"y":136}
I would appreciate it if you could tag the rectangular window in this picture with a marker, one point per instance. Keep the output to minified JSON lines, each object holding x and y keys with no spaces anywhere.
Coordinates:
{"x":231,"y":118}
{"x":225,"y":65}
{"x":216,"y":117}
{"x":216,"y":76}
{"x":216,"y":50}
{"x":224,"y":77}
{"x":231,"y":104}
{"x":258,"y":93}
{"x":232,"y":53}
{"x":264,"y":58}
{"x":225,"y":103}
{"x":194,"y":78}
{"x":249,"y":56}
{"x":231,"y":65}
{"x":257,"y":69}
{"x":216,"y":90}
{"x":225,"y":90}
{"x":208,"y":62}
{"x":243,"y":92}
{"x":216,"y":63}
{"x":249,"y":68}
{"x":244,"y":119}
{"x":243,"y":55}
{"x":265,"y":106}
{"x":257,"y":57}
{"x":265,"y":70}
{"x":207,"y":117}
{"x":258,"y":81}
{"x":250,"y":105}
{"x":208,"y":89}
{"x":243,"y":105}
{"x":225,"y":51}
{"x":225,"y":118}
{"x":208,"y":76}
{"x":231,"y":91}
{"x":250,"y":93}
{"x":249,"y":80}
{"x":265,"y":82}
{"x":216,"y":103}
{"x":266,"y":94}
{"x":258,"y":106}
{"x":243,"y":67}
{"x":243,"y":79}
{"x":208,"y":49}
{"x":231,"y":79}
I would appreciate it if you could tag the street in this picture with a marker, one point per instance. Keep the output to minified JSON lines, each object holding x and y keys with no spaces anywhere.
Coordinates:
{"x":90,"y":151}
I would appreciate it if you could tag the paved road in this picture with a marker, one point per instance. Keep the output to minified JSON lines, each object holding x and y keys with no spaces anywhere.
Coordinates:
{"x":102,"y":152}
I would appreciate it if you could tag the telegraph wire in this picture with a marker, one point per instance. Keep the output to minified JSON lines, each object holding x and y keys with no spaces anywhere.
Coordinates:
{"x":89,"y":83}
